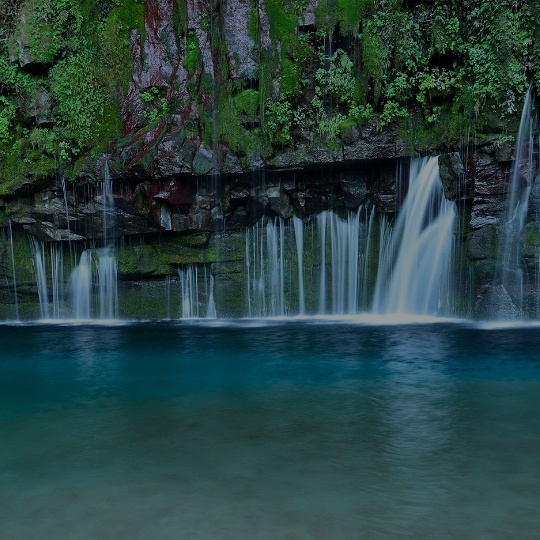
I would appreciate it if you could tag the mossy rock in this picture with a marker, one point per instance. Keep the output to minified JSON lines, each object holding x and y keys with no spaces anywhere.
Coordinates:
{"x":161,"y":257}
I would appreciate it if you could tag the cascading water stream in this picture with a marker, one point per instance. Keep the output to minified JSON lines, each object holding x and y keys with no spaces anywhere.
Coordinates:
{"x":299,"y":236}
{"x":189,"y":290}
{"x":14,"y":273}
{"x":415,"y":255}
{"x":81,"y":287}
{"x":282,"y":274}
{"x":521,"y":179}
{"x":107,"y":279}
{"x":193,"y":298}
{"x":107,"y":266}
{"x":344,"y":235}
{"x":321,"y":224}
{"x":265,"y":268}
{"x":102,"y":263}
{"x":211,"y":310}
{"x":366,"y":257}
{"x":57,"y":279}
{"x":38,"y":258}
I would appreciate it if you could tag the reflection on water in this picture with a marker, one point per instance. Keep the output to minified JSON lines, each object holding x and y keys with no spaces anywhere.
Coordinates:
{"x":295,"y":430}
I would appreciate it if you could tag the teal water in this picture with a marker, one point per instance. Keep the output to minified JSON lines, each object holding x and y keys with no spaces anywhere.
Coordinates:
{"x":289,"y":430}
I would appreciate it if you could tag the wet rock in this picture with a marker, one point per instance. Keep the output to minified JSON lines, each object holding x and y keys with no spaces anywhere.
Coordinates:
{"x":127,"y":223}
{"x":486,"y":212}
{"x":23,"y":220}
{"x":373,"y":144}
{"x":353,"y":190}
{"x":173,"y":157}
{"x":307,"y":154}
{"x":204,"y":162}
{"x":482,"y":243}
{"x":30,"y":46}
{"x":199,"y":13}
{"x":238,"y":219}
{"x":495,"y":302}
{"x":240,"y":46}
{"x":310,"y":201}
{"x":36,"y":106}
{"x":530,"y":242}
{"x":178,"y":193}
{"x":231,"y":164}
{"x":308,"y":15}
{"x":288,"y":159}
{"x":489,"y":177}
{"x":456,"y":183}
{"x":280,"y":203}
{"x":386,"y":202}
{"x":264,"y":28}
{"x":350,"y":135}
{"x":235,"y":196}
{"x":504,"y":153}
{"x":157,"y":62}
{"x":254,"y":161}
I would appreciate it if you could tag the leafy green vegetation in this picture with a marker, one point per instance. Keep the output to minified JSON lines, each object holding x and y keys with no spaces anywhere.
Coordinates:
{"x":60,"y":102}
{"x":440,"y":71}
{"x":449,"y":64}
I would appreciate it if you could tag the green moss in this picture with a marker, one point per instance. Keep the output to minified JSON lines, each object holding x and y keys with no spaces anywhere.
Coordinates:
{"x":161,"y":258}
{"x":231,"y":131}
{"x":155,"y":299}
{"x":344,"y":14}
{"x":253,"y":23}
{"x":92,"y":65}
{"x":80,"y":101}
{"x":193,"y":52}
{"x":289,"y":80}
{"x":247,"y":102}
{"x":180,"y":18}
{"x":283,"y":21}
{"x":22,"y":256}
{"x":530,"y":236}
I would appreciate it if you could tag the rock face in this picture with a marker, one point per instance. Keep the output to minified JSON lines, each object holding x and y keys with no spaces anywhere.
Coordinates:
{"x":185,"y":171}
{"x":174,"y":87}
{"x":170,"y":222}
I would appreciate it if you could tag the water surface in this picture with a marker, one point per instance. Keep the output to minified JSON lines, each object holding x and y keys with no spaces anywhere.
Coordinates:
{"x":283,"y":429}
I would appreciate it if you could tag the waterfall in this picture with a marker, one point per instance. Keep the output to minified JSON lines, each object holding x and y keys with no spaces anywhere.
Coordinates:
{"x":321,"y":224}
{"x":107,"y":200}
{"x":521,"y":178}
{"x":107,"y":280}
{"x":13,"y":271}
{"x":81,"y":287}
{"x":50,"y":307}
{"x":415,"y":255}
{"x":274,"y":259}
{"x":265,"y":268}
{"x":344,"y":237}
{"x":101,"y":262}
{"x":281,"y":273}
{"x":166,"y":217}
{"x":168,"y":295}
{"x":57,"y":278}
{"x":38,"y":258}
{"x":211,"y":310}
{"x":366,"y":259}
{"x":299,"y":236}
{"x":189,"y":290}
{"x":194,"y":298}
{"x":107,"y":266}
